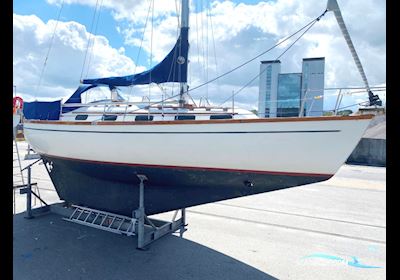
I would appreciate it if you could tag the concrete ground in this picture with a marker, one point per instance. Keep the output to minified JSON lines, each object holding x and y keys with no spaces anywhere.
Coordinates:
{"x":331,"y":230}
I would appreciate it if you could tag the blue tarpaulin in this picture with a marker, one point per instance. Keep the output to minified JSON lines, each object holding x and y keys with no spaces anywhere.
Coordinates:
{"x":41,"y":110}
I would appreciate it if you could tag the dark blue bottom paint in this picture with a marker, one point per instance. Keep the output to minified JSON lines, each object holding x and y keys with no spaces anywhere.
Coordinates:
{"x":115,"y":188}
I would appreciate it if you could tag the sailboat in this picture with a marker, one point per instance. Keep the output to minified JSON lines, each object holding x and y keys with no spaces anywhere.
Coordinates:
{"x":190,"y":155}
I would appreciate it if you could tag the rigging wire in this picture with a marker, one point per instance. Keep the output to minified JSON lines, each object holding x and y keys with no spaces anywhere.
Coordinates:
{"x":202,"y":40}
{"x":172,"y":66}
{"x":374,"y":87}
{"x":307,"y":27}
{"x":197,"y":34}
{"x":141,"y":41}
{"x":141,"y":44}
{"x":171,"y":69}
{"x":291,"y":45}
{"x":90,"y":37}
{"x":151,"y":46}
{"x":348,"y":106}
{"x":50,"y":47}
{"x":177,"y":14}
{"x":215,"y":52}
{"x":361,"y":91}
{"x":197,"y":38}
{"x":207,"y":47}
{"x":264,"y":52}
{"x":94,"y":40}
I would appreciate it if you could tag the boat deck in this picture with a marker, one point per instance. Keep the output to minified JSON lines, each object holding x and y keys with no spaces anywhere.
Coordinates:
{"x":265,"y":236}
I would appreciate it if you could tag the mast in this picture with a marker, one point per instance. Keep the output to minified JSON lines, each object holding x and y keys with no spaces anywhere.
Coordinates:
{"x":184,"y":34}
{"x":334,"y":7}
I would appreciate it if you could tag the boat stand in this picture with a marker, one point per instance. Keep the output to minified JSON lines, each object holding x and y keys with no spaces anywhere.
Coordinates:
{"x":146,"y":229}
{"x":31,"y":154}
{"x":27,"y":189}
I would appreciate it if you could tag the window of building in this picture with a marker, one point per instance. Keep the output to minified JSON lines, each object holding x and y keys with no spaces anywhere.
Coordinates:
{"x":268,"y":86}
{"x":267,"y":112}
{"x":289,"y":94}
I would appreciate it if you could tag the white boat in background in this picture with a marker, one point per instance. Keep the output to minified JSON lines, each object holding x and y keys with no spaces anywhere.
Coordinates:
{"x":190,"y":155}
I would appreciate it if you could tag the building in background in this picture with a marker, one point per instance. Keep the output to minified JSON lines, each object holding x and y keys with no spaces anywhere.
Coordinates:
{"x":289,"y":87}
{"x":312,"y":86}
{"x":281,"y":94}
{"x":267,"y":104}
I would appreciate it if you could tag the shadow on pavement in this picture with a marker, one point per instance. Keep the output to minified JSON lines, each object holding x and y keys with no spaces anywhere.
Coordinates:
{"x":49,"y":248}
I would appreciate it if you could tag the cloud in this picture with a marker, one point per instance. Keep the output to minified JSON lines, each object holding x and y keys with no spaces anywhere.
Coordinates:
{"x":240,"y":32}
{"x":236,"y":31}
{"x":132,"y":11}
{"x":63,"y":68}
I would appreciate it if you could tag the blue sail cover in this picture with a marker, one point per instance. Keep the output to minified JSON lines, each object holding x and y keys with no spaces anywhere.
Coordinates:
{"x":41,"y":110}
{"x":172,"y":69}
{"x":76,"y":98}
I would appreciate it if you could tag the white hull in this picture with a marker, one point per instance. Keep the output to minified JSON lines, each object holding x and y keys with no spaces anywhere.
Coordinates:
{"x":317,"y":146}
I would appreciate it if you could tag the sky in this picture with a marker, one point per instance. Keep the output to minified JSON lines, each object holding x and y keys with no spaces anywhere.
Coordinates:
{"x":56,"y":43}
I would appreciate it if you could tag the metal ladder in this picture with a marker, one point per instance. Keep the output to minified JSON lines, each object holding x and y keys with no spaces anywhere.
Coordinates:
{"x":16,"y":173}
{"x":146,"y":229}
{"x":19,"y":166}
{"x":102,"y":220}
